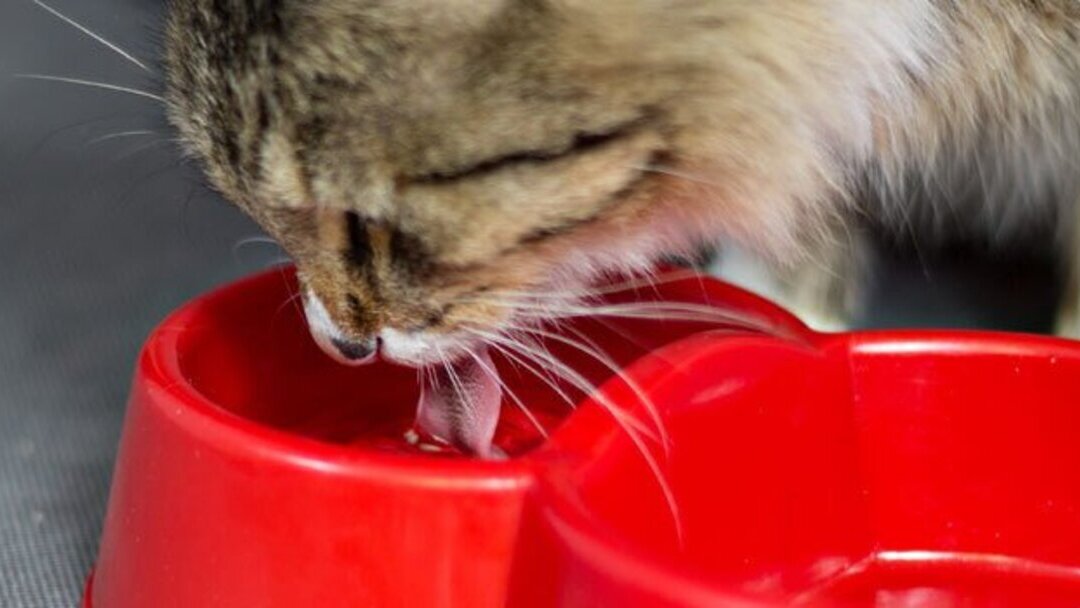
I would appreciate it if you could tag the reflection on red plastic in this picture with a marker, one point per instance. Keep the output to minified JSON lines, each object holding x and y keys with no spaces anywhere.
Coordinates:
{"x":852,"y":470}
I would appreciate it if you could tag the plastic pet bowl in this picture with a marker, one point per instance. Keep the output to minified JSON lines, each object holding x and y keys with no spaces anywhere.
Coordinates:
{"x":895,"y":469}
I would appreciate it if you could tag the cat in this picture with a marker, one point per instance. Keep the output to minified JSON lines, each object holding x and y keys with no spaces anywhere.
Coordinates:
{"x":440,"y":168}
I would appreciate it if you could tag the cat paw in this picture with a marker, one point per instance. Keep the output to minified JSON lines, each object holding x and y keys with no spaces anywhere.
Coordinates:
{"x":1067,"y":324}
{"x":828,"y":321}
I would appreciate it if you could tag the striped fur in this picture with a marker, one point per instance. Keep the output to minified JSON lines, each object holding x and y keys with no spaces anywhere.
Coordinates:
{"x":520,"y":144}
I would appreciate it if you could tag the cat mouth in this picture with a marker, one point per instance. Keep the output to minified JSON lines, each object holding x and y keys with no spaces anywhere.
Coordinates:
{"x":460,"y":397}
{"x":331,"y":340}
{"x":425,"y":349}
{"x":407,"y":348}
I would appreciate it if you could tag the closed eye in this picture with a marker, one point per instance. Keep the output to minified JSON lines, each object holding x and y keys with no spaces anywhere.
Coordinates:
{"x":581,"y":144}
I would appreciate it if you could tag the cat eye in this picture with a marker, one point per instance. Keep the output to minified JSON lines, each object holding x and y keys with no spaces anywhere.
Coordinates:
{"x":582,"y":143}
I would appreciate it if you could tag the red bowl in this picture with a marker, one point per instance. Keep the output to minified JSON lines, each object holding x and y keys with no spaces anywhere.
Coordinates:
{"x":863,"y":469}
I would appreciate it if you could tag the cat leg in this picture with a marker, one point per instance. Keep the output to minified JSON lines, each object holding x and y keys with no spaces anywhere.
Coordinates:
{"x":1067,"y":323}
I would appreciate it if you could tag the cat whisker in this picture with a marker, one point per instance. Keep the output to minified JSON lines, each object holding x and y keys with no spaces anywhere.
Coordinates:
{"x":289,"y":300}
{"x":683,"y":175}
{"x":97,"y":37}
{"x":545,"y":378}
{"x":494,"y":375}
{"x":121,"y":134}
{"x":594,"y":351}
{"x":667,"y":311}
{"x":289,"y":286}
{"x":240,"y":244}
{"x":455,"y":382}
{"x":630,"y":426}
{"x":620,"y":332}
{"x":575,"y":378}
{"x":278,"y":262}
{"x":657,"y":311}
{"x":614,"y":366}
{"x":423,"y":376}
{"x":644,"y":280}
{"x":252,"y":240}
{"x":93,"y":84}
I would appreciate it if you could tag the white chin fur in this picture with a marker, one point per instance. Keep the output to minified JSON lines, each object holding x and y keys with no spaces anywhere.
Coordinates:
{"x":417,"y":349}
{"x":324,"y":331}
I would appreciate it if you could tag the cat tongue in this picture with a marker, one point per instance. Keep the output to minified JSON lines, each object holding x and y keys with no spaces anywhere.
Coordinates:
{"x":461,"y":405}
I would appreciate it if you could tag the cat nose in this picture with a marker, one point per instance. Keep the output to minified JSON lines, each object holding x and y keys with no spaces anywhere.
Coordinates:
{"x":356,"y":351}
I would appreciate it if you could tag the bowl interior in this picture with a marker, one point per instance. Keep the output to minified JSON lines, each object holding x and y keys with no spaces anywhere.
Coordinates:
{"x":247,"y":350}
{"x":893,"y":469}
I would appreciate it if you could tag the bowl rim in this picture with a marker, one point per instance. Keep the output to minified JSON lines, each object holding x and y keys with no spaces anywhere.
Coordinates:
{"x":159,"y":375}
{"x":591,"y":534}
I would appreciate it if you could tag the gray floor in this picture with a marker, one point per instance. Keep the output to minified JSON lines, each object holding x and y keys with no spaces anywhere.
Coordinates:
{"x":98,"y":241}
{"x":99,"y":238}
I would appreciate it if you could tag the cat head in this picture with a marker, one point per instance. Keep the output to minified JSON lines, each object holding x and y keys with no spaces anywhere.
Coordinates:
{"x":437,"y":169}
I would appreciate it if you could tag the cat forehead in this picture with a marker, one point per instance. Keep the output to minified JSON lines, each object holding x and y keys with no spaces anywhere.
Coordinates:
{"x":392,"y":48}
{"x":316,"y":100}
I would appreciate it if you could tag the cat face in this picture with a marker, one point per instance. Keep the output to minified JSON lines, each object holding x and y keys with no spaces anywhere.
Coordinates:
{"x":431,"y":165}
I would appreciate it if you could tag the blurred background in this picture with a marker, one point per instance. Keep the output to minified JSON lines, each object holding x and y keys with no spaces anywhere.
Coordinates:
{"x":103,"y":230}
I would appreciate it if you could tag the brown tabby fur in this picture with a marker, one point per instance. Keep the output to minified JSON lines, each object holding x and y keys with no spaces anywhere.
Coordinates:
{"x":492,"y":145}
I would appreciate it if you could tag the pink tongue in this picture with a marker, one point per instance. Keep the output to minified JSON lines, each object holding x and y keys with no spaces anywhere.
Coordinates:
{"x":461,"y":405}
